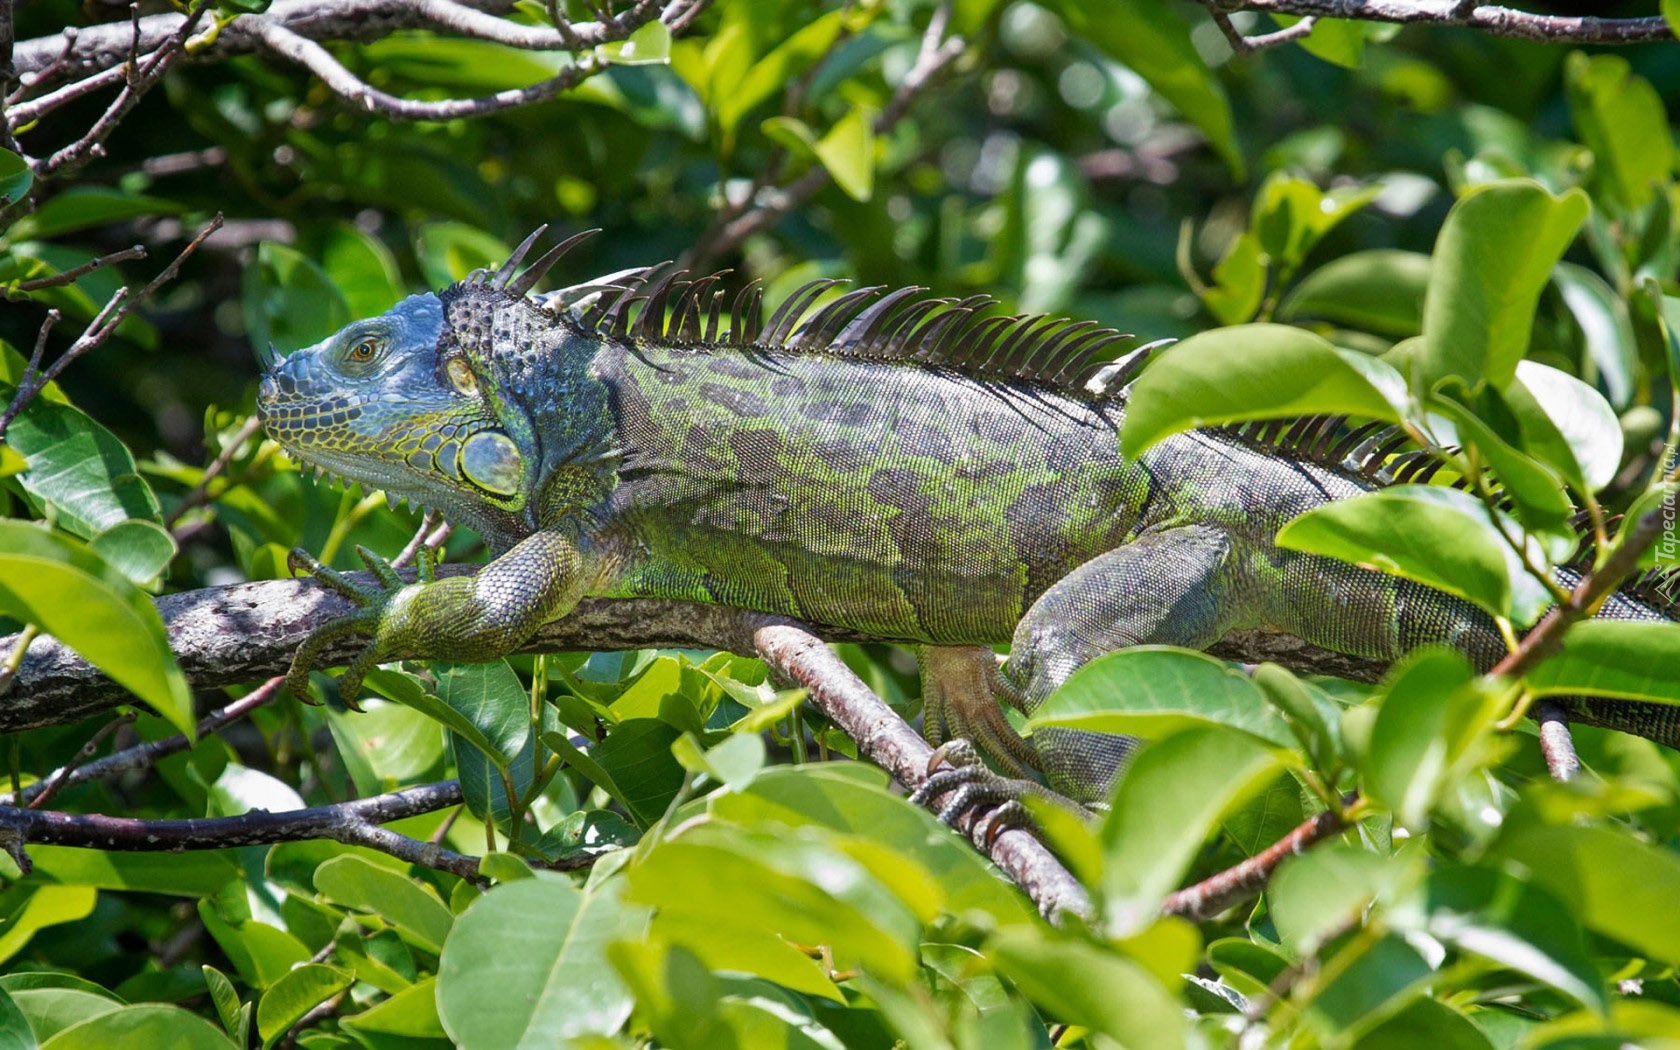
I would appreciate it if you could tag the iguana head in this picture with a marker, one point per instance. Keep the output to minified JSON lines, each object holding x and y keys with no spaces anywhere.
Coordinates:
{"x":397,"y":403}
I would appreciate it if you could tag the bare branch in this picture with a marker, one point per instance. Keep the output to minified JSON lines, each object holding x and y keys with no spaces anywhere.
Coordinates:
{"x":1488,"y":18}
{"x":1240,"y":882}
{"x":354,"y":823}
{"x":891,"y":744}
{"x":115,"y":311}
{"x":61,"y":777}
{"x":75,"y":273}
{"x":319,"y":61}
{"x":201,"y":491}
{"x":1245,"y":45}
{"x":767,"y":208}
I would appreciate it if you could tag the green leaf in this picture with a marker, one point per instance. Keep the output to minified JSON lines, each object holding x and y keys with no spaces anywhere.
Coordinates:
{"x":81,"y":472}
{"x":1166,"y":804}
{"x":49,"y":905}
{"x":1426,"y":1022}
{"x":1150,"y":691}
{"x":262,"y":954}
{"x":11,"y":461}
{"x":848,"y":152}
{"x":650,"y":44}
{"x":1371,"y":980}
{"x":194,"y":874}
{"x":139,"y":549}
{"x":300,"y":991}
{"x":1536,"y":490}
{"x":414,"y":910}
{"x":772,"y":73}
{"x":362,"y":269}
{"x":1258,"y":371}
{"x":145,"y":1024}
{"x":289,"y":301}
{"x":526,"y":965}
{"x":15,"y":1032}
{"x":1084,"y":984}
{"x":67,"y":591}
{"x":51,"y":1009}
{"x":15,"y":177}
{"x":1291,"y":215}
{"x":493,"y":699}
{"x":1621,"y":119}
{"x":1431,"y":715}
{"x":1628,"y":661}
{"x":1606,"y":328}
{"x":1429,"y":533}
{"x":1566,"y":423}
{"x":1322,"y":893}
{"x":84,"y":207}
{"x":228,"y":1007}
{"x":1149,"y":37}
{"x":411,"y":1014}
{"x":448,"y":251}
{"x":1514,"y":924}
{"x":1492,"y":259}
{"x":1609,"y":881}
{"x":1314,"y":716}
{"x":1379,"y":291}
{"x":775,"y":883}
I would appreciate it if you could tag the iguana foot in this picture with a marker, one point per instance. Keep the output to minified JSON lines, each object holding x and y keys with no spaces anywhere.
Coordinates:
{"x":374,"y":602}
{"x":962,"y":699}
{"x":968,"y":784}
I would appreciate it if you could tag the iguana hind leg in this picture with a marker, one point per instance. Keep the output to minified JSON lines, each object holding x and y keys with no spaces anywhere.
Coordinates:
{"x":962,"y":698}
{"x":1165,"y":588}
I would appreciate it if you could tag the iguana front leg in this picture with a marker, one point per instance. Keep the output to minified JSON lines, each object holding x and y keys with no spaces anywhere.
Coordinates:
{"x":467,"y":618}
{"x":963,"y":695}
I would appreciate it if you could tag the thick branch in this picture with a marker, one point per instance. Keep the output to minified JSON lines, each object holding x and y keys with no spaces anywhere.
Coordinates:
{"x":890,"y":743}
{"x":247,"y":632}
{"x":1488,"y":18}
{"x":354,"y":823}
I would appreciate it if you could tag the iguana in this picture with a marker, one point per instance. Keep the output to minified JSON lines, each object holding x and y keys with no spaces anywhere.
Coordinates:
{"x":905,"y":467}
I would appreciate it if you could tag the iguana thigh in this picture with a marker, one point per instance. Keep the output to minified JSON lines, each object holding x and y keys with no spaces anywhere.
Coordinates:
{"x":1165,"y":588}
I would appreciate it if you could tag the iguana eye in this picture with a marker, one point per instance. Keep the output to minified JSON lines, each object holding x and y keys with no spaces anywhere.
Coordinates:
{"x":364,"y":351}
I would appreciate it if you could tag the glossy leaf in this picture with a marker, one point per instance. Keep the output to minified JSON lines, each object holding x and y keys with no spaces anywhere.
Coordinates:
{"x":81,"y":472}
{"x":1167,"y":802}
{"x":1151,"y":691}
{"x":1084,"y":984}
{"x":493,"y":699}
{"x":1606,"y":328}
{"x":1379,"y":291}
{"x":1432,"y":534}
{"x":1567,"y":423}
{"x":289,"y":301}
{"x":1620,"y":117}
{"x":412,"y":909}
{"x":1628,"y":661}
{"x":144,"y":1024}
{"x":1149,"y":37}
{"x":1432,"y":714}
{"x":63,"y":588}
{"x":848,"y":152}
{"x":526,"y":965}
{"x":1322,"y":893}
{"x":85,"y":207}
{"x":1611,"y":882}
{"x":284,"y":1004}
{"x":15,"y":176}
{"x":1492,"y":259}
{"x":1261,"y":371}
{"x":47,"y":906}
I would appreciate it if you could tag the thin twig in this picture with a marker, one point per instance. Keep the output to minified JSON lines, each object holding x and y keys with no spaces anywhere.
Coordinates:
{"x":1241,"y":881}
{"x":354,"y":823}
{"x":61,"y":776}
{"x":115,"y":311}
{"x":75,"y":272}
{"x":1487,"y":18}
{"x":1247,"y":45}
{"x":201,"y":491}
{"x":762,"y":211}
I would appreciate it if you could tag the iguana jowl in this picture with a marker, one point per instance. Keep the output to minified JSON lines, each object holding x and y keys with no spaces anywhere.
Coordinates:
{"x":895,"y":465}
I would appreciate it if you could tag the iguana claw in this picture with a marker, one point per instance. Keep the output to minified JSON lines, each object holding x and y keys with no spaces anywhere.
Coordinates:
{"x":969,"y":783}
{"x":373,"y":602}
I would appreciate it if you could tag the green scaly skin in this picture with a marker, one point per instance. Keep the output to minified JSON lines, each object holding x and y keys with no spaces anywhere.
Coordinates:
{"x":901,"y":499}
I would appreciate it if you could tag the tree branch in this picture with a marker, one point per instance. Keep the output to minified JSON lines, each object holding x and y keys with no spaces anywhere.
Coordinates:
{"x":354,"y":823}
{"x":891,"y":744}
{"x":1488,"y":18}
{"x":1239,"y":882}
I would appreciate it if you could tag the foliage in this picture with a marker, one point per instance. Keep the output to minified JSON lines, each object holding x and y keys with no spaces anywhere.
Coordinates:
{"x":1477,"y":239}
